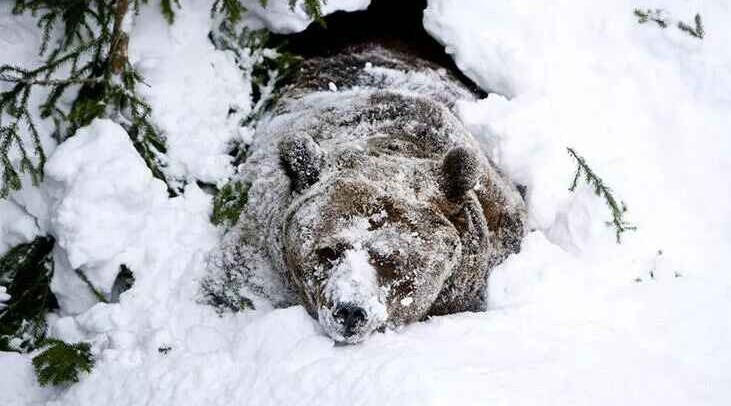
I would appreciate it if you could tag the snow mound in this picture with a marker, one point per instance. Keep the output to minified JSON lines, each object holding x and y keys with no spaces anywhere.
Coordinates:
{"x":192,"y":87}
{"x":279,"y":17}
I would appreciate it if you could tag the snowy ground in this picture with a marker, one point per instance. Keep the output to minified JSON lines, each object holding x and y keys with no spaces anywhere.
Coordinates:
{"x":574,"y":318}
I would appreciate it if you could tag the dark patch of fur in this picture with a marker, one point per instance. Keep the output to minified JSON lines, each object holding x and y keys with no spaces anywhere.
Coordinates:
{"x":460,"y":171}
{"x":301,"y":159}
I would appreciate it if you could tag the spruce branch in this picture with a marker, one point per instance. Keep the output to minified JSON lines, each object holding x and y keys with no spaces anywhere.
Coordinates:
{"x":313,"y":8}
{"x":231,"y":9}
{"x":89,"y":63}
{"x":49,"y":82}
{"x":261,"y":63}
{"x":61,"y":363}
{"x":265,"y":65}
{"x":600,"y":189}
{"x":25,"y":272}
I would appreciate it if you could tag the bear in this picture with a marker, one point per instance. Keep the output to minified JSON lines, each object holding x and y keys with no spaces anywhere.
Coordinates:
{"x":369,"y":202}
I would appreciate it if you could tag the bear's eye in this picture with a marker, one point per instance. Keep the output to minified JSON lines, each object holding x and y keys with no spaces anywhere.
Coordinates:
{"x":387,"y":265}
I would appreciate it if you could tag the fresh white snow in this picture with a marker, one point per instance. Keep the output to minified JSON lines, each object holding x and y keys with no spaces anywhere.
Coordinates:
{"x":278,"y":16}
{"x":574,"y":318}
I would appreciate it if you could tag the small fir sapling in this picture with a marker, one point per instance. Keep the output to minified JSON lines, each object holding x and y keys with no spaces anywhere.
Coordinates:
{"x":618,"y":209}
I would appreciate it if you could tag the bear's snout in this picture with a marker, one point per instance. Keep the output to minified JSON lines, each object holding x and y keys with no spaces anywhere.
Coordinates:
{"x":352,"y":318}
{"x":351,"y":303}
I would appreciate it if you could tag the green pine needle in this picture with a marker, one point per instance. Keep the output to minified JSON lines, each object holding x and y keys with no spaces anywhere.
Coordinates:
{"x":658,"y":16}
{"x":166,"y":6}
{"x":697,"y":30}
{"x":84,"y":52}
{"x":25,"y":272}
{"x":229,"y":203}
{"x":600,"y":189}
{"x":61,"y":363}
{"x":655,"y":16}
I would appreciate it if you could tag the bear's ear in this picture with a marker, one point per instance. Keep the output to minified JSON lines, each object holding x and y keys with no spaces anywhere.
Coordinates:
{"x":460,"y":172}
{"x":302,"y":160}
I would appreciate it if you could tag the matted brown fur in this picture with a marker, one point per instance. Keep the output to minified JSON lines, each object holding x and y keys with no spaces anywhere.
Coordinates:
{"x":375,"y":196}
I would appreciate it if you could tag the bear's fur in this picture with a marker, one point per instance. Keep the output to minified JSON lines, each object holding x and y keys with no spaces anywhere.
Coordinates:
{"x":372,"y":205}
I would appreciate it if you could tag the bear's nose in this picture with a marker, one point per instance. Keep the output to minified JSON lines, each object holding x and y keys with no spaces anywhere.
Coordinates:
{"x":350,"y":316}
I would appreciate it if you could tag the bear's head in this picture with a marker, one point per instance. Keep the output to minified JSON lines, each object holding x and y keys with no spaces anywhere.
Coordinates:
{"x":366,"y":239}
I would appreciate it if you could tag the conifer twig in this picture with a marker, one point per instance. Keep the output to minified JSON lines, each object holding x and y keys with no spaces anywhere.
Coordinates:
{"x":93,"y":51}
{"x":655,"y":16}
{"x":50,"y":82}
{"x":600,"y":189}
{"x":60,"y":363}
{"x":696,"y":31}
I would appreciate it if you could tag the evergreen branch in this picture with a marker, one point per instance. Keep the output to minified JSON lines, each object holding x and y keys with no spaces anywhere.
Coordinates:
{"x":232,"y":9}
{"x":61,"y":363}
{"x":265,"y":67}
{"x":600,"y":189}
{"x":659,"y":17}
{"x":26,"y":271}
{"x":655,"y":16}
{"x":51,"y":82}
{"x":166,"y":6}
{"x":696,"y":31}
{"x":93,"y":50}
{"x":313,"y":8}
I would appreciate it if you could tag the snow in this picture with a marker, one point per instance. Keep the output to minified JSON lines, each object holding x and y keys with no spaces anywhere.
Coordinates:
{"x":18,"y":386}
{"x":16,"y":226}
{"x":279,"y":17}
{"x":4,"y":297}
{"x":574,"y":318}
{"x":102,"y":193}
{"x":191,"y":104}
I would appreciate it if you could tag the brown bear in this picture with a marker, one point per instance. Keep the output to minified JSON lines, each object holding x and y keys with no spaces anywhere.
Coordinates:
{"x":369,"y":201}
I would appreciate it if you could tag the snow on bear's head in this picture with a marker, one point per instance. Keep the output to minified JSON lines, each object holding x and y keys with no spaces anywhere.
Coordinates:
{"x":366,"y":241}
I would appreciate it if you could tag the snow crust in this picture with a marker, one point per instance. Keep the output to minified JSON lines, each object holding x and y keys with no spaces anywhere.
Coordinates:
{"x":279,"y":17}
{"x":574,"y":318}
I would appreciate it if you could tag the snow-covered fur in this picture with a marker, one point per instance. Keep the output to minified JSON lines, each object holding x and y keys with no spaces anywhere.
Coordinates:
{"x":369,"y":200}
